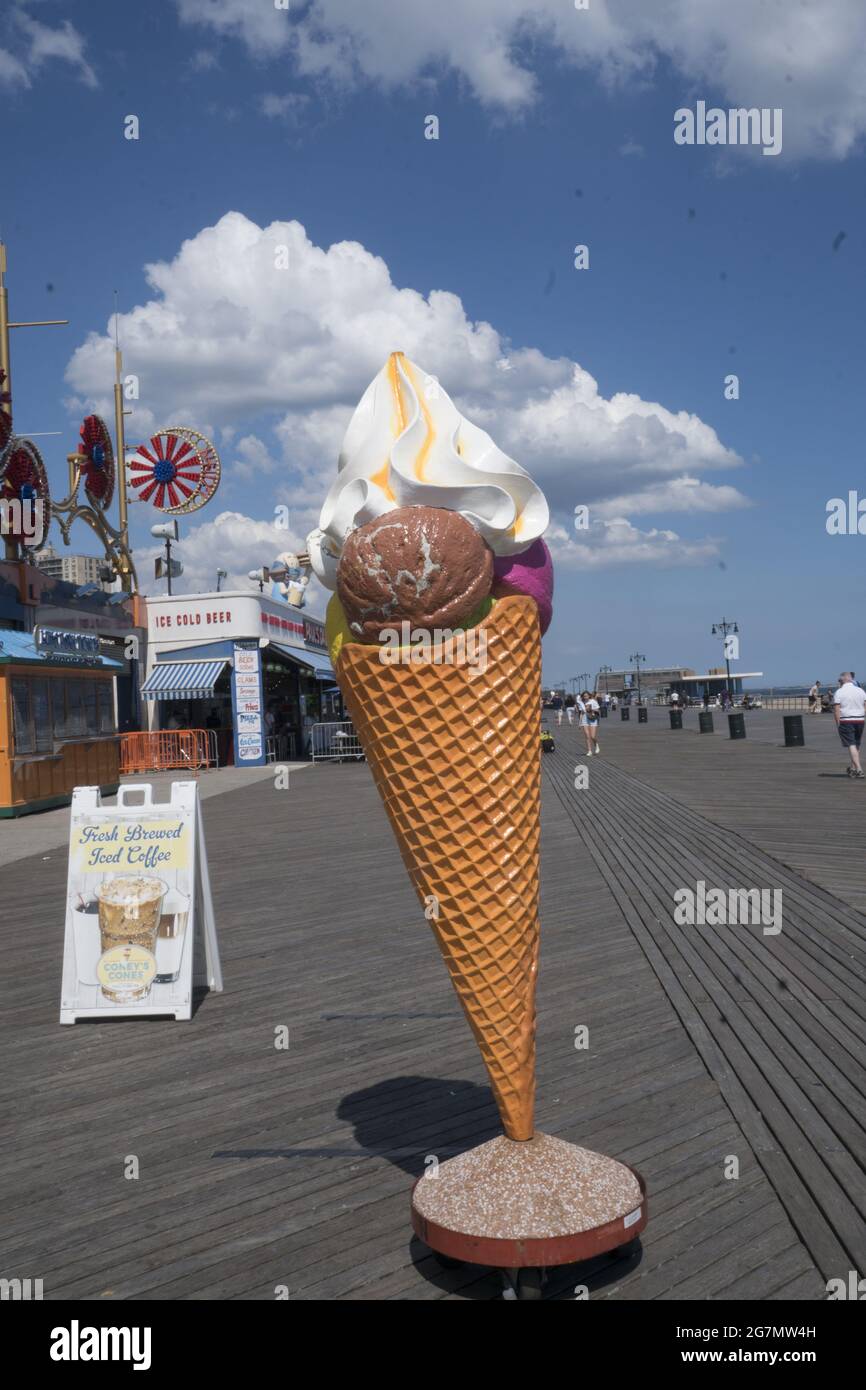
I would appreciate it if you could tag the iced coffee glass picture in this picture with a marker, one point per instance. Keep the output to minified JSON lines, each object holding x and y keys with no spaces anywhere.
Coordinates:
{"x":129,"y":913}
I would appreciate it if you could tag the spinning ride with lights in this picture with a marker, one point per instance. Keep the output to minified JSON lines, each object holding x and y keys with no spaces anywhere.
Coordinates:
{"x":97,"y":461}
{"x":22,"y":478}
{"x":92,"y":467}
{"x":178,"y":471}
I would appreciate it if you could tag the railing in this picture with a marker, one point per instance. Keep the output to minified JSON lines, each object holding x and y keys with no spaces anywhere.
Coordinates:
{"x":159,"y":750}
{"x":335,"y":743}
{"x":280,"y":748}
{"x":794,"y":702}
{"x":212,"y":756}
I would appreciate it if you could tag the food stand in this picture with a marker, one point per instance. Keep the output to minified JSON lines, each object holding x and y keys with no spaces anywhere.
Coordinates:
{"x":252,"y":668}
{"x":57,"y":719}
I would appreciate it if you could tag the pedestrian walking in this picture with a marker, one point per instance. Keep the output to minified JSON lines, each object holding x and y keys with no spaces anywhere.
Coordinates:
{"x":569,"y":710}
{"x":849,"y":711}
{"x":590,"y":722}
{"x":815,"y":698}
{"x":581,"y":718}
{"x":675,"y":699}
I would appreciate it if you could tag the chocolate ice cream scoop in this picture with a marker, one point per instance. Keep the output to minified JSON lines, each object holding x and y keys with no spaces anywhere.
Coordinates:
{"x":423,"y":565}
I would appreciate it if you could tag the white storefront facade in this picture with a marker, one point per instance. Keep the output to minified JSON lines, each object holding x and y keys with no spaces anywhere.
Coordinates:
{"x":255,"y":664}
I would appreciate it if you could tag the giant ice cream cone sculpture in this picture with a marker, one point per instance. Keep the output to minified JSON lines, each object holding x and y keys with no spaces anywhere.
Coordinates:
{"x":455,"y":753}
{"x":431,"y":537}
{"x":422,"y":502}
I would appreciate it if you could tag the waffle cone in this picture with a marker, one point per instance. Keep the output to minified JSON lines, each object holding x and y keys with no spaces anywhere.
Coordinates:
{"x":453,"y":744}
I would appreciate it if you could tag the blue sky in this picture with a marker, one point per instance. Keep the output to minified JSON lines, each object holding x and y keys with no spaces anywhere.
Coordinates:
{"x":702,"y":262}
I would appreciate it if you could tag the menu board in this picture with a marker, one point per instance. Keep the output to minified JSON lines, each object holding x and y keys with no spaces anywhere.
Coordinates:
{"x":140,"y":928}
{"x":248,"y":705}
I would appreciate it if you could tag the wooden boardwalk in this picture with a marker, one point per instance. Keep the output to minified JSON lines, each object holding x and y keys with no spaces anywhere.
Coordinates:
{"x":262,"y":1169}
{"x":777,"y":1010}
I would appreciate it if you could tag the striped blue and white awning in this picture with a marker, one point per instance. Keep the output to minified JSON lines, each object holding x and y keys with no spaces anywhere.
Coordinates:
{"x":182,"y":680}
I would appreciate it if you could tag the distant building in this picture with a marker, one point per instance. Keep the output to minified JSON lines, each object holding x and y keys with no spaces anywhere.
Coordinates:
{"x":663,"y":680}
{"x":73,"y":569}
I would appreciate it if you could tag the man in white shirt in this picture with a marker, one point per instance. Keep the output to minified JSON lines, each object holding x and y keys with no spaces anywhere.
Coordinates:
{"x":849,"y":711}
{"x":675,"y":698}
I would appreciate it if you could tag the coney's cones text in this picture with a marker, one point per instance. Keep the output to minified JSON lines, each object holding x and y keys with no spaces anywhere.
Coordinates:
{"x":453,"y":744}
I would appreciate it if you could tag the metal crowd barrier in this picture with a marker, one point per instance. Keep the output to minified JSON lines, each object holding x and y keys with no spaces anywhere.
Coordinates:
{"x":211,"y":751}
{"x":335,"y":742}
{"x":281,"y":748}
{"x":160,"y":750}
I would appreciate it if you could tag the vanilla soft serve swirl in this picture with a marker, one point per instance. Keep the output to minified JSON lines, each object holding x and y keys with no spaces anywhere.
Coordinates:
{"x":408,"y":445}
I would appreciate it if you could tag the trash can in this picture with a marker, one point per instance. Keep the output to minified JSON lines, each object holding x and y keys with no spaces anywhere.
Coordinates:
{"x":624,"y":712}
{"x":737,"y":725}
{"x":794,"y":736}
{"x":676,"y":718}
{"x":642,"y":715}
{"x":705,"y":722}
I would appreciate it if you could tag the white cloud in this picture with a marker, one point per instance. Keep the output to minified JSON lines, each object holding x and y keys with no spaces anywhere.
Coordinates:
{"x":616,"y":542}
{"x":34,"y":44}
{"x":674,"y":495}
{"x":250,"y":459}
{"x":806,"y":57}
{"x":229,"y":340}
{"x":13,"y":73}
{"x":287,"y":107}
{"x":231,"y":541}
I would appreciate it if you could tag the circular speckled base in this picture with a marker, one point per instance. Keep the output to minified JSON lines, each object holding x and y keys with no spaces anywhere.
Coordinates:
{"x":539,"y":1202}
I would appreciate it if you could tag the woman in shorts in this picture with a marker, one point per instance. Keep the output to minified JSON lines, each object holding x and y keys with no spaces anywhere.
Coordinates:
{"x":589,"y":722}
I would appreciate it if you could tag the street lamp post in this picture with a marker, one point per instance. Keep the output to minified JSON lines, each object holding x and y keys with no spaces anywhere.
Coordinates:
{"x":606,"y":671}
{"x":723,"y":630}
{"x":636,"y":658}
{"x":167,"y":531}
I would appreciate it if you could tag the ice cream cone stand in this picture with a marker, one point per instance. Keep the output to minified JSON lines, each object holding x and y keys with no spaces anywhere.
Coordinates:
{"x":443,"y":587}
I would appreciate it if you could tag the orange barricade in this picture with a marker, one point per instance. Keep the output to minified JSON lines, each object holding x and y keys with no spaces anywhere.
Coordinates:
{"x":164,"y":749}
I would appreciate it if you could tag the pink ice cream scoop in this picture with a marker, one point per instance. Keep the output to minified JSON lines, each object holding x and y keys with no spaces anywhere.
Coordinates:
{"x":531,"y":573}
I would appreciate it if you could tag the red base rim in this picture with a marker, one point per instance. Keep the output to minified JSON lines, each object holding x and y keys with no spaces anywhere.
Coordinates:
{"x":543,"y":1253}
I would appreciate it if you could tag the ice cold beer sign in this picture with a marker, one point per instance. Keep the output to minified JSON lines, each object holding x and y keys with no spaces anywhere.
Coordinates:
{"x":139,"y":919}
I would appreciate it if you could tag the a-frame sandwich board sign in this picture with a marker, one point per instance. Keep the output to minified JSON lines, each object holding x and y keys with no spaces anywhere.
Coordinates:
{"x":140,"y":929}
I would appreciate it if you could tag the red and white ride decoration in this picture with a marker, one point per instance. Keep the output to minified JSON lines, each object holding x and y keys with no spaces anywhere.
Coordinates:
{"x":97,"y":469}
{"x":178,"y":470}
{"x":23,"y":479}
